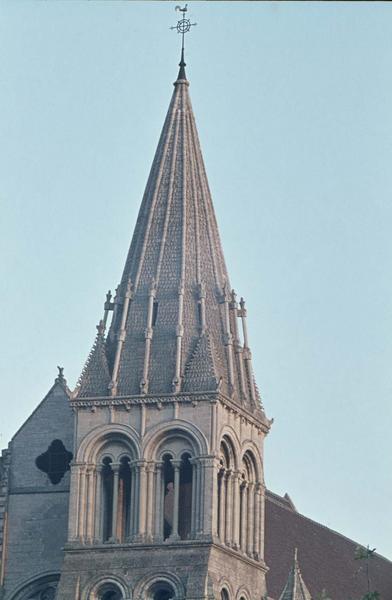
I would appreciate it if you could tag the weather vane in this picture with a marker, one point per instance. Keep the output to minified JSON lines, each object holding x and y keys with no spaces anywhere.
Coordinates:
{"x":183,"y":25}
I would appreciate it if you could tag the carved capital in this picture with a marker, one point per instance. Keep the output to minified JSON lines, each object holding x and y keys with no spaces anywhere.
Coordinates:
{"x":229,"y":473}
{"x":176,"y":464}
{"x":247,"y":354}
{"x":227,"y":339}
{"x":141,"y":465}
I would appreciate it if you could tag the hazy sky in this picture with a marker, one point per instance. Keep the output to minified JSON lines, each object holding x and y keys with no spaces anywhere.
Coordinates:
{"x":293,"y":104}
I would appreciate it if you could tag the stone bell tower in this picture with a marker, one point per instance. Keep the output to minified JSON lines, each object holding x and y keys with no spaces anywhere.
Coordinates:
{"x":167,"y":487}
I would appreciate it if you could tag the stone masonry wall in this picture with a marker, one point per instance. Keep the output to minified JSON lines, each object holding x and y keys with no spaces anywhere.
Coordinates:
{"x":4,"y":472}
{"x":37,"y":509}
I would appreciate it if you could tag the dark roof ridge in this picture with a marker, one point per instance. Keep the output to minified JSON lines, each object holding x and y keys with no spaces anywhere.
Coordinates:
{"x":284,"y":501}
{"x":274,"y":498}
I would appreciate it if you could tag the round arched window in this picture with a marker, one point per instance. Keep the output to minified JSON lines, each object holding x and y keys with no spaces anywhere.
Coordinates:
{"x":46,"y":591}
{"x":225,"y":594}
{"x":111,"y":595}
{"x":161,"y":591}
{"x":109,"y":592}
{"x":48,"y":594}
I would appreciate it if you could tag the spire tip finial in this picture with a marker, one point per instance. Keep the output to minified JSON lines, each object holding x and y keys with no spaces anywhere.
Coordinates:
{"x":182,"y":27}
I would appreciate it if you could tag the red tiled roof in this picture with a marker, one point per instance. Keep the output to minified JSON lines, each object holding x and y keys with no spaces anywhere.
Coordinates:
{"x":325,"y":556}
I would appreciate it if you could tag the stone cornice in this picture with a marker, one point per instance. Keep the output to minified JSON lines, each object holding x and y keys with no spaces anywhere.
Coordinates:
{"x":187,"y":397}
{"x":261,"y":422}
{"x":168,"y":546}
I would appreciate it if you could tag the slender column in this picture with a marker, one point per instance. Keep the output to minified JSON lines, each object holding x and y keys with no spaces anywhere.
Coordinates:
{"x":142,"y":505}
{"x":229,"y":507}
{"x":251,"y":498}
{"x":74,"y":508}
{"x":215,"y":502}
{"x":90,"y":480}
{"x":197,"y":498}
{"x":158,"y":501}
{"x":176,"y":384}
{"x":131,"y":503}
{"x":244,"y":507}
{"x":193,"y":502}
{"x":162,"y":505}
{"x":148,"y":338}
{"x":214,"y":410}
{"x":150,"y":499}
{"x":202,"y":301}
{"x":116,"y":472}
{"x":237,"y":344}
{"x":209,"y":497}
{"x":246,"y":351}
{"x":121,"y":338}
{"x":98,"y":504}
{"x":228,"y":338}
{"x":262,"y":525}
{"x":82,"y":506}
{"x":236,"y":509}
{"x":176,"y":503}
{"x":222,"y":502}
{"x":137,"y":498}
{"x":257,"y":528}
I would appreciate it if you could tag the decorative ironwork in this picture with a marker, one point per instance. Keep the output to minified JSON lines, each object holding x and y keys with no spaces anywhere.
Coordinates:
{"x":184,"y":24}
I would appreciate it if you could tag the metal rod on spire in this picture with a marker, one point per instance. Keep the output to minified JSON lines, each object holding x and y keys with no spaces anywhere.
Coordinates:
{"x":182,"y":27}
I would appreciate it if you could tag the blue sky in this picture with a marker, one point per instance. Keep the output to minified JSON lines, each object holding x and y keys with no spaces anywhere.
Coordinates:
{"x":293,"y":105}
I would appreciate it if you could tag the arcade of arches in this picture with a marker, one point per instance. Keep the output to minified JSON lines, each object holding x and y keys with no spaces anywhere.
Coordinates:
{"x":159,"y":590}
{"x":240,"y":503}
{"x":130,"y":500}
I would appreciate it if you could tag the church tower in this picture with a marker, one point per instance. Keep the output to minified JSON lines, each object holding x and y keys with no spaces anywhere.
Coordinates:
{"x":167,"y":486}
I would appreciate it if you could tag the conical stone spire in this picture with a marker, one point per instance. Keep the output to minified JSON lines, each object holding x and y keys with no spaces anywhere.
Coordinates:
{"x":295,"y":588}
{"x":175,"y":323}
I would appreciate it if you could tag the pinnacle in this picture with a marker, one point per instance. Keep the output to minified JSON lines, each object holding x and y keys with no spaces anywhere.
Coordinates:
{"x":295,"y":588}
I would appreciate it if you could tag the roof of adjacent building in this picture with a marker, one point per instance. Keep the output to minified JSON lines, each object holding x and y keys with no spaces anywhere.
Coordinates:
{"x":179,"y":330}
{"x":327,"y":558}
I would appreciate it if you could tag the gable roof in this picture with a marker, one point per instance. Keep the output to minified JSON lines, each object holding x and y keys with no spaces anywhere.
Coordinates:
{"x":327,"y":557}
